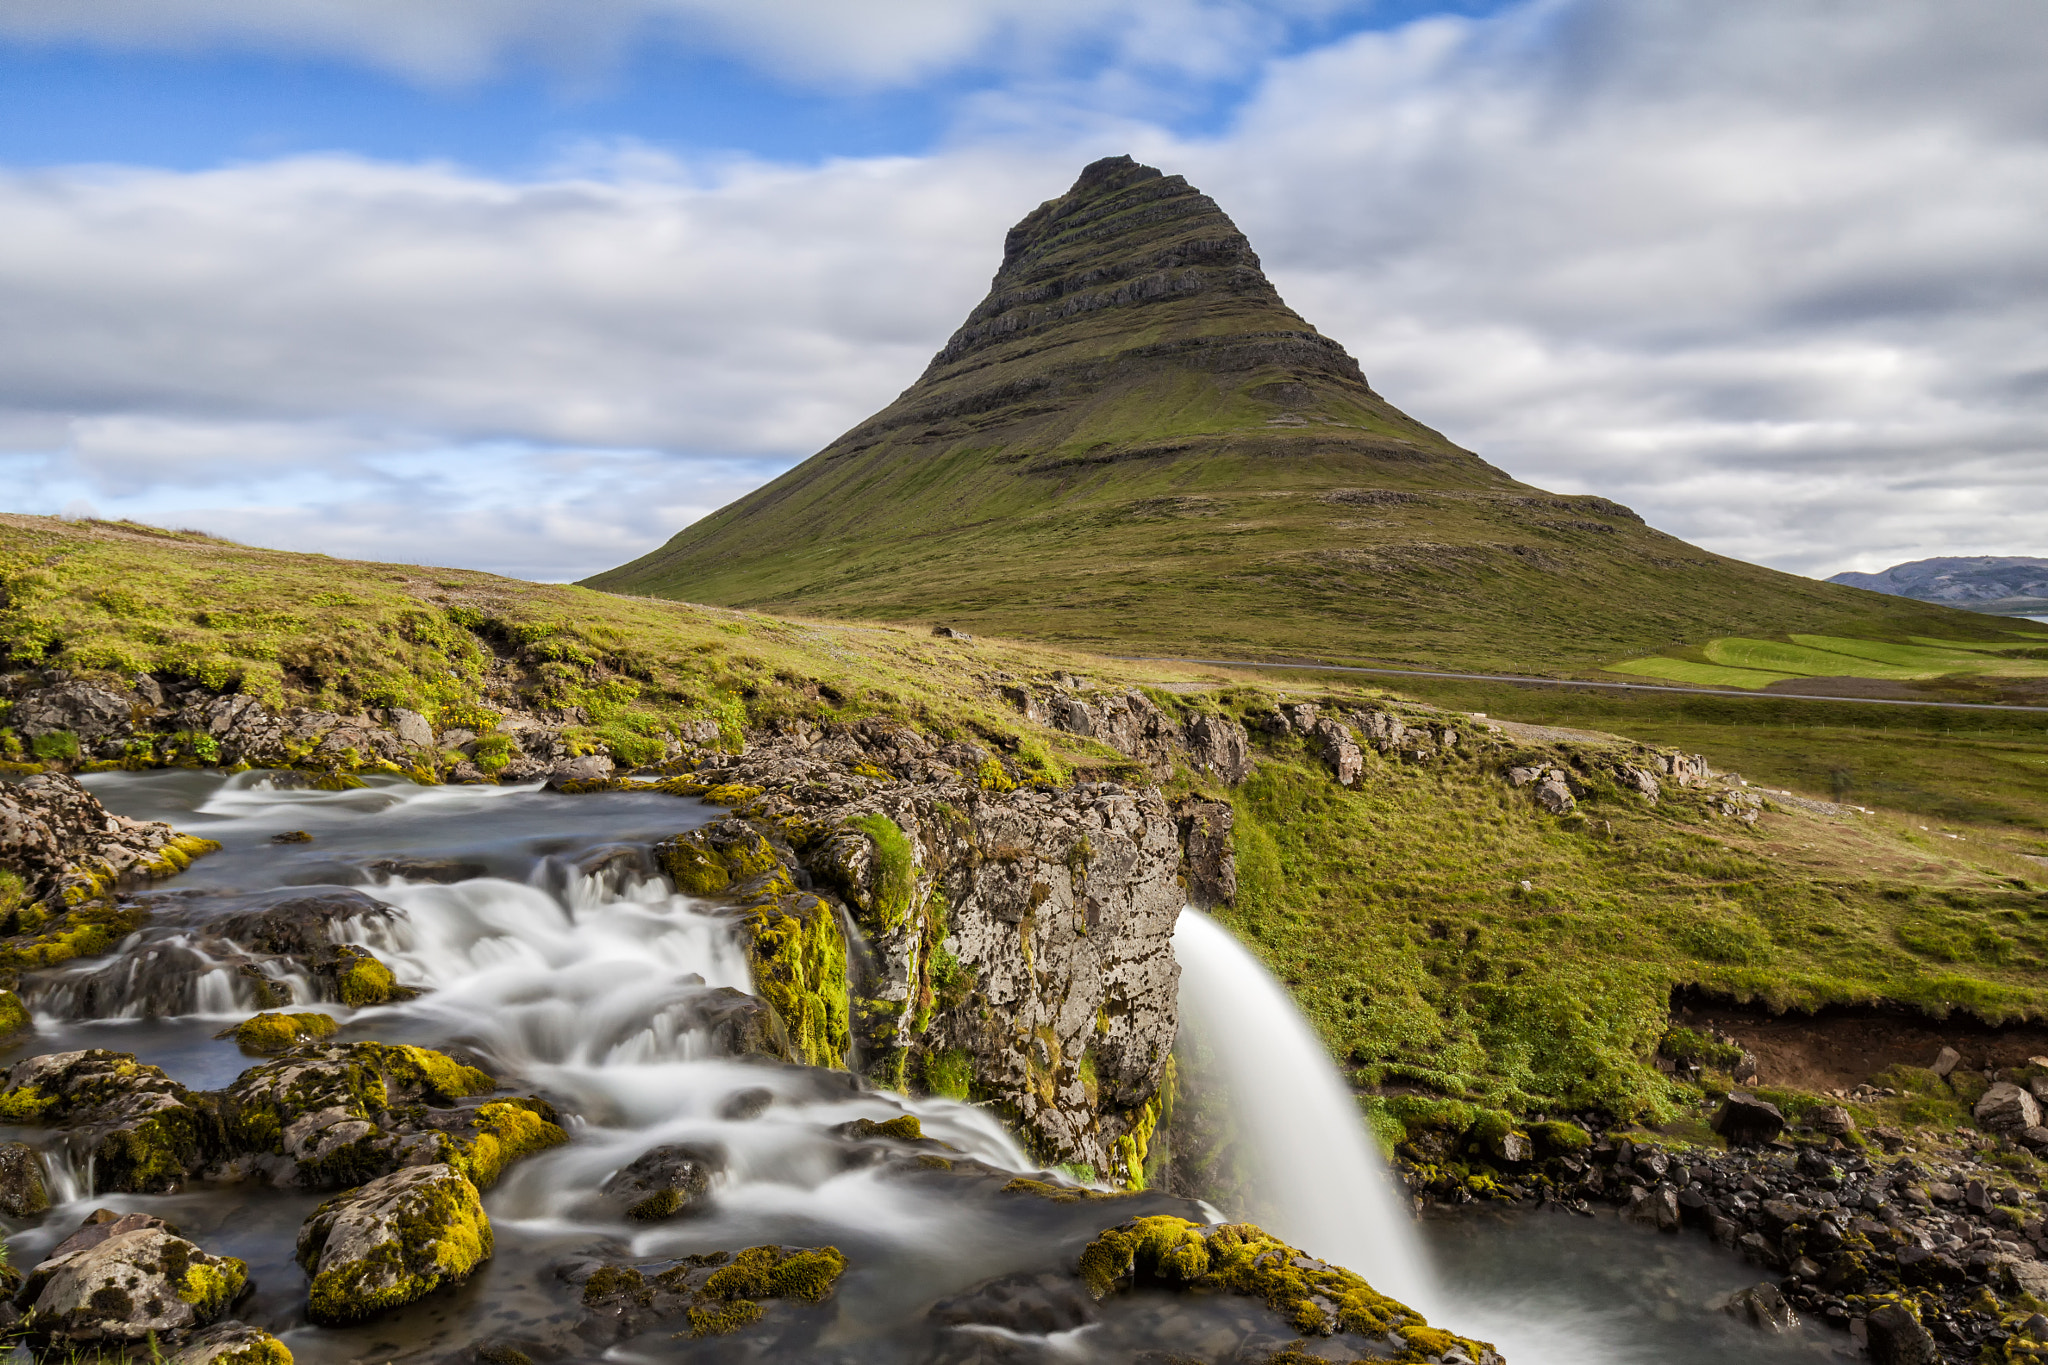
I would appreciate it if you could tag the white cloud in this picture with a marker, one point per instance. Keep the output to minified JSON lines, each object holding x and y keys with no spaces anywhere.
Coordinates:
{"x":1770,"y":272}
{"x":859,"y":43}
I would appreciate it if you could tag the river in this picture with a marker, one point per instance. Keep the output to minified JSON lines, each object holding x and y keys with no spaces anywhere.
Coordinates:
{"x":546,"y":948}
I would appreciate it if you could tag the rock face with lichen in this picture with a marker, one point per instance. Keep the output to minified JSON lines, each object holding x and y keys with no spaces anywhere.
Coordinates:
{"x":122,"y":1279}
{"x":66,"y":847}
{"x":392,"y":1241}
{"x":1015,"y":943}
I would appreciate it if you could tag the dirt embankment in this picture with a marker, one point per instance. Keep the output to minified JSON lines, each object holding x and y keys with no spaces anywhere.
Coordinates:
{"x":1839,"y":1049}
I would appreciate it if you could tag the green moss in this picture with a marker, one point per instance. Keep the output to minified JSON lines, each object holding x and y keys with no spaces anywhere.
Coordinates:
{"x":505,"y":1131}
{"x":949,"y":1073}
{"x":212,"y":1286}
{"x":272,"y":1033}
{"x":805,"y":1275}
{"x":657,"y":1206}
{"x":887,"y":905}
{"x":440,"y":1241}
{"x":1164,"y":1252}
{"x":362,"y":980}
{"x":26,"y":1104}
{"x":14,"y":1016}
{"x":261,"y":1349}
{"x":707,"y":862}
{"x":798,"y":956}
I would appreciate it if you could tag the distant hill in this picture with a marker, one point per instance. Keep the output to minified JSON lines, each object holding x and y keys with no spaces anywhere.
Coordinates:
{"x":1134,"y":445}
{"x":1996,"y":583}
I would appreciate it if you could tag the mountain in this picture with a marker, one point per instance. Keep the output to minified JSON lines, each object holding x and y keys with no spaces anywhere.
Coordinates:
{"x":1994,"y":583}
{"x":1133,"y":444}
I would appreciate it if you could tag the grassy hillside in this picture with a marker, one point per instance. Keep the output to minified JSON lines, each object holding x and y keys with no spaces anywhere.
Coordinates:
{"x":1396,"y":911}
{"x":1134,"y":445}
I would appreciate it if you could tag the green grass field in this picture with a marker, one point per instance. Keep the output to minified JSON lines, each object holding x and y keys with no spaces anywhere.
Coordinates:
{"x":1742,"y":662}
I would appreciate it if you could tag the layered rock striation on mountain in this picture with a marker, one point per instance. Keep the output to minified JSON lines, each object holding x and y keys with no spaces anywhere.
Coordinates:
{"x":1133,"y":438}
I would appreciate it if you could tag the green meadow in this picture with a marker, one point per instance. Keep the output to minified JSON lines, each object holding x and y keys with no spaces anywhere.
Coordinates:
{"x":1740,"y":662}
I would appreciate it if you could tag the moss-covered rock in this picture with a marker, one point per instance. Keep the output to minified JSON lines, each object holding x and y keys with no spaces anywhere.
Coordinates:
{"x":269,"y":1034}
{"x":124,"y":1279}
{"x":493,"y":1136}
{"x":148,"y":1132}
{"x":360,"y":979}
{"x":23,"y":1192}
{"x":14,"y":1016}
{"x":1311,"y":1296}
{"x":664,"y":1181}
{"x":798,"y":956}
{"x":711,"y":861}
{"x":715,"y":1293}
{"x":394,"y":1240}
{"x":233,"y":1343}
{"x":345,"y":1113}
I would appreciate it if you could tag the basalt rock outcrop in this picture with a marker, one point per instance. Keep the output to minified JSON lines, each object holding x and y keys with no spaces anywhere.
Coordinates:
{"x":65,"y":847}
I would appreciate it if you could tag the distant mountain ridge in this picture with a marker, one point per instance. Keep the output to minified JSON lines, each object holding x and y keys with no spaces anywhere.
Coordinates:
{"x":1992,"y":583}
{"x":1133,"y":445}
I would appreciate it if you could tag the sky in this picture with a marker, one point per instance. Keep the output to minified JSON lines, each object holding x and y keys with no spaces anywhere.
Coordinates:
{"x":527,"y":285}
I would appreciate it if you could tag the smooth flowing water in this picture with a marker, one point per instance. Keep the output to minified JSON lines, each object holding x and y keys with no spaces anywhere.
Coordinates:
{"x":545,"y":944}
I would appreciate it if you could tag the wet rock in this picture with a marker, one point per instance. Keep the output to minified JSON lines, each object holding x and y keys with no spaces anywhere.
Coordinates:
{"x":1897,"y":1338}
{"x":122,"y":1279}
{"x":1035,"y":1305}
{"x":664,"y":1181}
{"x":1656,"y":1208}
{"x":305,"y":930}
{"x":716,"y":1293}
{"x":232,"y":1343}
{"x":23,"y":1193}
{"x":446,"y":871}
{"x":67,"y":848}
{"x":269,"y":1034}
{"x":1209,"y":858}
{"x":325,"y":1117}
{"x":1746,"y":1121}
{"x":1763,"y":1307}
{"x":734,"y":1023}
{"x":745,"y":1104}
{"x":145,"y":1131}
{"x":2005,"y":1108}
{"x":392,"y":1241}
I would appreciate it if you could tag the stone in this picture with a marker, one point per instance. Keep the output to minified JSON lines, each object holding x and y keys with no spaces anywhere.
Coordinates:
{"x":1834,"y":1120}
{"x":1209,"y":859}
{"x":23,"y":1193}
{"x":1945,"y":1061}
{"x":411,"y":727}
{"x":948,"y":633}
{"x":391,"y":1242}
{"x":2005,"y":1108}
{"x":1746,"y":1121}
{"x":734,"y":1024}
{"x":1763,"y":1307}
{"x":2028,"y":1277}
{"x":664,"y":1181}
{"x":1220,"y":746}
{"x":89,"y":710}
{"x":588,"y":768}
{"x":232,"y":1343}
{"x":124,"y":1279}
{"x":1897,"y":1338}
{"x":1339,"y":750}
{"x":1037,"y":1305}
{"x":2034,"y":1139}
{"x":66,"y":847}
{"x":144,"y":1133}
{"x":1554,"y":794}
{"x":1656,"y":1208}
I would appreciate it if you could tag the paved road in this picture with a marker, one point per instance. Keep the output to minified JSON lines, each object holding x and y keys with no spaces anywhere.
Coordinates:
{"x":1573,"y":682}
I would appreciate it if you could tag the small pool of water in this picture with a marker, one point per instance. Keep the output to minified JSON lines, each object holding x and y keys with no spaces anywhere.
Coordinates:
{"x":1551,"y":1288}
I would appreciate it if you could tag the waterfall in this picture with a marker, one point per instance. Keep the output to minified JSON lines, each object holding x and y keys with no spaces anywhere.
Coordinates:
{"x":1317,"y":1179}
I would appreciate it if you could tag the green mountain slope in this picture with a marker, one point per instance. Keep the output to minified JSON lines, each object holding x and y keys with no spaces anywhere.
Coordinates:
{"x":1133,"y":444}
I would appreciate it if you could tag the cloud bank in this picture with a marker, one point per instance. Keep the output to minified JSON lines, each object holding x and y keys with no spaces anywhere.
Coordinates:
{"x":1771,"y":273}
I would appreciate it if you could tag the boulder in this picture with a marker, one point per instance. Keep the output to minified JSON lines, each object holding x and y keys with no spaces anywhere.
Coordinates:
{"x":92,"y":711}
{"x":22,"y":1191}
{"x":1763,"y":1307}
{"x":304,"y":930}
{"x":1038,"y":1305}
{"x":411,"y":727}
{"x":733,"y":1023}
{"x":233,"y":1343}
{"x":2005,"y":1108}
{"x":126,"y":1278}
{"x":1339,"y":750}
{"x":1554,"y":794}
{"x":391,"y":1242}
{"x":1746,"y":1121}
{"x":1656,"y":1208}
{"x":147,"y":1134}
{"x":1896,"y":1337}
{"x":1834,"y":1120}
{"x":325,"y":1117}
{"x":1945,"y":1061}
{"x":664,"y":1181}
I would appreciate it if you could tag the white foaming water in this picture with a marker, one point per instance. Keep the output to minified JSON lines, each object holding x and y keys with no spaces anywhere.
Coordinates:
{"x":257,"y":794}
{"x":1318,"y":1181}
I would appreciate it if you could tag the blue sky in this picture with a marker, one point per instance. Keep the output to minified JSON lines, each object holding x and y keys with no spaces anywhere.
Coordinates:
{"x":527,"y":286}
